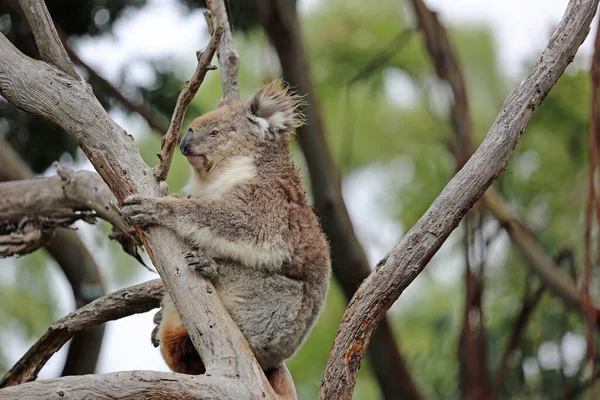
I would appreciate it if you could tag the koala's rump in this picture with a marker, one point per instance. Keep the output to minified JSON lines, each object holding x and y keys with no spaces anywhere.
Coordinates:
{"x":271,"y":310}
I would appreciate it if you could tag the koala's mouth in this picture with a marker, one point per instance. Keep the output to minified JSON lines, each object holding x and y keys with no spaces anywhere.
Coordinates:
{"x":199,"y":161}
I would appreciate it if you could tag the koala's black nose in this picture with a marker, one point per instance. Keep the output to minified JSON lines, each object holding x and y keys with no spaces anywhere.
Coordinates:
{"x":186,"y":144}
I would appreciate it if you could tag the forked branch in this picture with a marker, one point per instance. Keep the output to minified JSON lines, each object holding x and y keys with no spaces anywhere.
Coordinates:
{"x":171,"y":137}
{"x":229,"y":59}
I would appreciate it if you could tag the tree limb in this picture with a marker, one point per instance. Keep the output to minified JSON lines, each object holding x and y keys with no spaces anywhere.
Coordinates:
{"x":349,"y":261}
{"x":48,"y":42}
{"x":404,"y":263}
{"x":125,"y":385}
{"x":171,"y":137}
{"x":78,"y":266}
{"x":41,"y":89}
{"x":122,"y":303}
{"x":229,"y":59}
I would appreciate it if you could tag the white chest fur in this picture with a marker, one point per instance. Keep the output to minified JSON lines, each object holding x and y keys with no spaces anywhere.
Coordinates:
{"x":222,"y":179}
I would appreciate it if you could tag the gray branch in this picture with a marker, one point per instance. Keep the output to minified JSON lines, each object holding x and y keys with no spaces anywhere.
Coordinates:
{"x":130,"y":385}
{"x":136,"y":299}
{"x":406,"y":261}
{"x":229,"y":59}
{"x":46,"y":37}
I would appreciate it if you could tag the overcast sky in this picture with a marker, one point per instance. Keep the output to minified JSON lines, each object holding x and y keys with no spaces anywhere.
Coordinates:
{"x":521,"y":27}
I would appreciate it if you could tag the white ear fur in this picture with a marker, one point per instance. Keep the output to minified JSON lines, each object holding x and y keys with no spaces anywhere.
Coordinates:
{"x":274,"y":109}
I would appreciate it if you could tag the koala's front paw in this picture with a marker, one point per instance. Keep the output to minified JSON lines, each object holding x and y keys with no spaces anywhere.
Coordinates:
{"x":204,"y":265}
{"x":140,"y":210}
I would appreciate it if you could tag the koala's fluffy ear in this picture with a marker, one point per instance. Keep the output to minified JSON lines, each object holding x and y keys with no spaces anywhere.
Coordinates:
{"x":275,"y":109}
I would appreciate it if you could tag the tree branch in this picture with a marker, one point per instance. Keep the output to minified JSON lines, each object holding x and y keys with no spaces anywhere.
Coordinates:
{"x":79,"y":268}
{"x":130,"y":385}
{"x":133,"y":300}
{"x":171,"y":137}
{"x":81,"y":191}
{"x":404,"y":263}
{"x":349,"y":261}
{"x":229,"y":59}
{"x":48,"y":42}
{"x":41,"y":89}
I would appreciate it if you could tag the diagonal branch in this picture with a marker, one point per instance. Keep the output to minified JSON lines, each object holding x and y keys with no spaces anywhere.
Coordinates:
{"x":122,"y":303}
{"x":229,"y":59}
{"x":404,"y":263}
{"x":171,"y":137}
{"x":48,"y":42}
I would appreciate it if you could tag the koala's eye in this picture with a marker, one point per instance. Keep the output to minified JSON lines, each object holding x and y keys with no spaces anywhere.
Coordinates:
{"x":213,"y":133}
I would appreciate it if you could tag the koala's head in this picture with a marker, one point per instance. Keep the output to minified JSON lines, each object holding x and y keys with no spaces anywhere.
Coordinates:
{"x":253,"y":127}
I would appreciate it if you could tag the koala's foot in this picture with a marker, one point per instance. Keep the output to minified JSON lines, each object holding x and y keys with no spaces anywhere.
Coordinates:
{"x":204,"y":265}
{"x":154,"y":335}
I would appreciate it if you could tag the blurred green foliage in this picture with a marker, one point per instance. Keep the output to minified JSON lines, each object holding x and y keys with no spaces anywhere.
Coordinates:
{"x":396,"y":108}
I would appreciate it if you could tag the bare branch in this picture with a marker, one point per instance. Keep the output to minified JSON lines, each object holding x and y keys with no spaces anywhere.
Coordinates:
{"x":171,"y":137}
{"x":404,"y":263}
{"x":46,"y":38}
{"x":349,"y":261}
{"x":81,"y":191}
{"x":122,"y":303}
{"x":229,"y":59}
{"x":130,"y":385}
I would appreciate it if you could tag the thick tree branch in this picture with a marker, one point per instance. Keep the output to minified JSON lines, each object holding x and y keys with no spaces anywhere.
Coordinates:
{"x":81,"y":191}
{"x":229,"y":59}
{"x":349,"y":261}
{"x":133,"y":300}
{"x":79,"y":268}
{"x":125,"y":385}
{"x":41,"y":89}
{"x":404,"y":263}
{"x":48,"y":42}
{"x":171,"y":137}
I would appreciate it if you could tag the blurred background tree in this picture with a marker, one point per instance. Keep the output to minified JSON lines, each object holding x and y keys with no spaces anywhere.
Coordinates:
{"x":387,"y":124}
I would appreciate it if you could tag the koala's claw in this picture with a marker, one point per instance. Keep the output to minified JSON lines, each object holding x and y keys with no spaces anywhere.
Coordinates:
{"x":204,"y":265}
{"x":154,"y":337}
{"x":140,"y":210}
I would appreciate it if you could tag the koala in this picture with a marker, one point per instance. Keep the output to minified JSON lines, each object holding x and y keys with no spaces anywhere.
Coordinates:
{"x":259,"y":241}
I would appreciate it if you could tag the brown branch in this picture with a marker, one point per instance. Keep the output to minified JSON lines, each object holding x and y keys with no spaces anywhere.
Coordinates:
{"x":349,"y":261}
{"x":79,"y":268}
{"x":527,"y":308}
{"x":171,"y":137}
{"x":41,"y":89}
{"x":229,"y":59}
{"x":404,"y":263}
{"x":593,"y":202}
{"x":126,"y":385}
{"x":541,"y":263}
{"x":122,"y":303}
{"x":48,"y":42}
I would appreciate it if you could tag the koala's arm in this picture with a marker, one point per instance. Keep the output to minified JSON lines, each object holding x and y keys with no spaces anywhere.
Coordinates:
{"x":233,"y":227}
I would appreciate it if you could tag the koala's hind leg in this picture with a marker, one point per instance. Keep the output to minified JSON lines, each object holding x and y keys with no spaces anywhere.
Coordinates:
{"x":175,"y":344}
